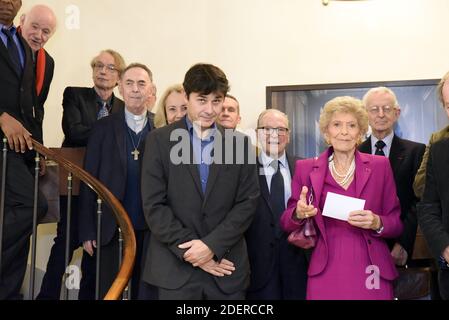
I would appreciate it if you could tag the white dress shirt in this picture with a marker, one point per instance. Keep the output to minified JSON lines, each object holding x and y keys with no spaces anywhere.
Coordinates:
{"x":268,"y":171}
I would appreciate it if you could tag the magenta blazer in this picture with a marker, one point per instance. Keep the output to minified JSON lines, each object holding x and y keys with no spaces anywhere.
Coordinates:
{"x":374,"y":183}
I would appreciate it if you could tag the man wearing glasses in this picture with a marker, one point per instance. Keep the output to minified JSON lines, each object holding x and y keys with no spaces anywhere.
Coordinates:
{"x":405,"y":157}
{"x":278,"y":269}
{"x":82,"y":108}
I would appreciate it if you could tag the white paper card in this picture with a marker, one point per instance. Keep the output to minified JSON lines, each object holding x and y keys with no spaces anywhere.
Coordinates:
{"x":338,"y":206}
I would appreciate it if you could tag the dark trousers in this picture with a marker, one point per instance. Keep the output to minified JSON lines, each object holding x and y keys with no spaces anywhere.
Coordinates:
{"x":18,"y":223}
{"x":52,"y":281}
{"x":443,"y":283}
{"x":201,"y":286}
{"x":110,"y":265}
{"x":288,"y":279}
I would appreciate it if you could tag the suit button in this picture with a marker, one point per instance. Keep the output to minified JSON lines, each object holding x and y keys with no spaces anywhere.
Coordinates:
{"x":21,"y":89}
{"x":369,"y":241}
{"x":272,"y":224}
{"x":271,"y":244}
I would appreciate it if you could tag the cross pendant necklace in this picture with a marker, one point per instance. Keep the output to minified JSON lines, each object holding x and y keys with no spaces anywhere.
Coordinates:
{"x":135,"y":153}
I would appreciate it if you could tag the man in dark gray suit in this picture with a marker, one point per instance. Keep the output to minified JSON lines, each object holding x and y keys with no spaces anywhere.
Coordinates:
{"x":199,"y":197}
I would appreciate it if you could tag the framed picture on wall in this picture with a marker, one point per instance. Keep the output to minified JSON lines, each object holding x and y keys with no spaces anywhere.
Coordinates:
{"x":421,"y":111}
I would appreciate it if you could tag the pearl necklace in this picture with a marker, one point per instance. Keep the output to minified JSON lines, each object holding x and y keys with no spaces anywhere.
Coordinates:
{"x":344,"y":178}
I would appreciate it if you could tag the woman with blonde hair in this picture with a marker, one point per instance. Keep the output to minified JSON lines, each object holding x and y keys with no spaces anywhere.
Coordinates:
{"x":351,"y":259}
{"x":172,"y":106}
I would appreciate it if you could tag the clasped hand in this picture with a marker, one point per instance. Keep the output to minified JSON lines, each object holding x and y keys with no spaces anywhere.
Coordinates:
{"x":199,"y":255}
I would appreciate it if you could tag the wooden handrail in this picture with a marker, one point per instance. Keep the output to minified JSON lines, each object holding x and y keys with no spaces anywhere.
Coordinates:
{"x":120,"y":214}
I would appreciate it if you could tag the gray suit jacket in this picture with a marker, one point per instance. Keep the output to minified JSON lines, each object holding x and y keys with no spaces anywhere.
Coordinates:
{"x":177,"y":211}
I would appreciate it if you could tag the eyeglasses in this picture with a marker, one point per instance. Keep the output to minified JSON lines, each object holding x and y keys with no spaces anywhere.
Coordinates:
{"x":269,"y":131}
{"x":376,"y":109}
{"x":109,"y":67}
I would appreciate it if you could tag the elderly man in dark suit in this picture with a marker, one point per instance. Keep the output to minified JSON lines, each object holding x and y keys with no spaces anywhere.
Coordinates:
{"x":82,"y":108}
{"x":199,"y":193}
{"x":405,"y":157}
{"x":20,"y":118}
{"x":37,"y":26}
{"x":278,"y":269}
{"x":114,"y":156}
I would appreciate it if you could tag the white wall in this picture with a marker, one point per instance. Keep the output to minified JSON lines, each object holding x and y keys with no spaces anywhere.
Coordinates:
{"x":256,"y":42}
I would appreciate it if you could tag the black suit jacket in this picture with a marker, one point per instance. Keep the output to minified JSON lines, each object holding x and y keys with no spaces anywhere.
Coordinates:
{"x":106,"y":160}
{"x":177,"y":211}
{"x":48,"y":77}
{"x":18,"y":92}
{"x":433,"y":210}
{"x":80,"y":113}
{"x":264,"y":245}
{"x":405,"y":159}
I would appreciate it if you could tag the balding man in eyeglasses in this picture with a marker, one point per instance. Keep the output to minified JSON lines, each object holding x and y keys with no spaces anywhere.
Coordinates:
{"x":405,"y":157}
{"x":278,"y":269}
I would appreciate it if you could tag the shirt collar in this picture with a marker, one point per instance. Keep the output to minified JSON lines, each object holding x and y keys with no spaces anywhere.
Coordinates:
{"x":388,"y":140}
{"x":136,"y":122}
{"x":11,"y":29}
{"x":100,"y":101}
{"x":210,"y":135}
{"x":266,"y":160}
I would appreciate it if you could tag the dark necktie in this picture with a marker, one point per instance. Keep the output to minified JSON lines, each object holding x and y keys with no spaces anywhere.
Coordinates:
{"x":379,"y":146}
{"x":13,"y":51}
{"x":277,"y":190}
{"x":104,"y":111}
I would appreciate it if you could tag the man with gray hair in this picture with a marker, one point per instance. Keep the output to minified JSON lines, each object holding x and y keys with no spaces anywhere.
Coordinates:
{"x":37,"y":26}
{"x":278,"y":269}
{"x":116,"y":145}
{"x":82,"y":108}
{"x":405,"y":157}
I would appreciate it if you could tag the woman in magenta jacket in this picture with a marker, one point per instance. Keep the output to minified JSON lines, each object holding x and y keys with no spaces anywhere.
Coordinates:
{"x":351,"y":260}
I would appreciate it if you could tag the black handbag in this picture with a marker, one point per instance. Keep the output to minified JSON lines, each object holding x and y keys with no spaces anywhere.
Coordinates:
{"x":413,"y":283}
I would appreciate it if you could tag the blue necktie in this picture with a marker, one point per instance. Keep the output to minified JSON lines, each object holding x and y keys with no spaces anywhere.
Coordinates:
{"x":13,"y":51}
